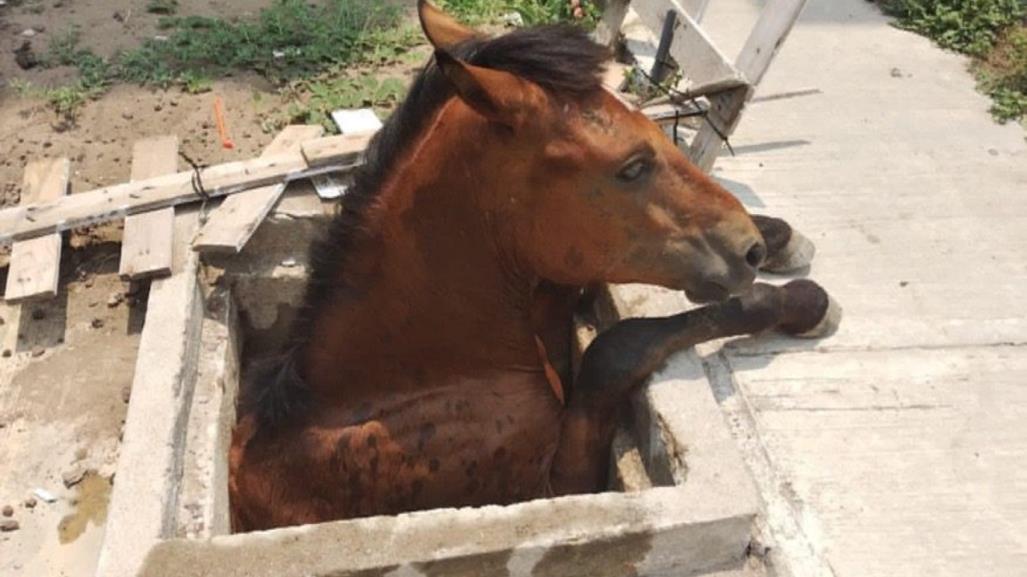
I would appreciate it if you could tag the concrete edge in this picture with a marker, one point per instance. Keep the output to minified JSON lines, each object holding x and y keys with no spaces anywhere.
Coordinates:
{"x":144,"y":497}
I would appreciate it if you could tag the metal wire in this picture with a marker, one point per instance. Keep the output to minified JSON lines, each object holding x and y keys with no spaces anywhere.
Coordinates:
{"x":197,"y":183}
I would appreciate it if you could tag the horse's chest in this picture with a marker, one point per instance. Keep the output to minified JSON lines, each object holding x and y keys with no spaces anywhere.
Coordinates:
{"x":474,"y":444}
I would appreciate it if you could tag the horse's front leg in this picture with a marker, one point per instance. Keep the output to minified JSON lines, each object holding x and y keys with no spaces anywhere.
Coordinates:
{"x":624,"y":356}
{"x":787,"y":249}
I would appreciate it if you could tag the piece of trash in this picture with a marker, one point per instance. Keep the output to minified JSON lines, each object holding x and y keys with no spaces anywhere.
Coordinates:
{"x":278,"y":53}
{"x":219,"y":121}
{"x":160,"y":38}
{"x":512,"y":19}
{"x":289,"y":262}
{"x":328,"y":187}
{"x":360,"y":121}
{"x":44,"y":495}
{"x":28,"y":32}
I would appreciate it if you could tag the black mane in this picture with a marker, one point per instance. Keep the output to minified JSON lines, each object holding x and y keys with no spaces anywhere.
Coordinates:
{"x":561,"y":59}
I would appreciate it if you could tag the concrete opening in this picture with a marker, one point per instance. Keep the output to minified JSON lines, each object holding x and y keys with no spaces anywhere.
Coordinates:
{"x":666,"y":512}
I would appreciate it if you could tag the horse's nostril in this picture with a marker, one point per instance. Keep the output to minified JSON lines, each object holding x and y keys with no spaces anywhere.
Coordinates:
{"x":757,"y":252}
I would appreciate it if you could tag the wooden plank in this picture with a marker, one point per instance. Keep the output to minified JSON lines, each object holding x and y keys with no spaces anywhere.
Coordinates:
{"x":771,"y":30}
{"x":338,"y":149}
{"x":231,"y":225}
{"x":608,"y":30}
{"x":146,"y":247}
{"x":35,"y":263}
{"x":704,"y":67}
{"x":117,"y":201}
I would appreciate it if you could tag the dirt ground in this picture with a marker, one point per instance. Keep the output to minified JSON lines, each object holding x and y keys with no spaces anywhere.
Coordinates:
{"x":67,"y":363}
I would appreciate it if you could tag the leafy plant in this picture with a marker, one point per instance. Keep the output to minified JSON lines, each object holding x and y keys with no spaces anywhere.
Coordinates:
{"x":532,"y":12}
{"x":968,"y":26}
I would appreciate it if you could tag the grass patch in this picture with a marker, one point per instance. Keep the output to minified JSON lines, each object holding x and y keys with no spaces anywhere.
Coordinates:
{"x":993,"y":32}
{"x":164,"y":7}
{"x":532,"y":12}
{"x":305,"y":48}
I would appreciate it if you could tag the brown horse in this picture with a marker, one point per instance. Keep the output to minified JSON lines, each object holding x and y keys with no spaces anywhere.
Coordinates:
{"x":430,"y":365}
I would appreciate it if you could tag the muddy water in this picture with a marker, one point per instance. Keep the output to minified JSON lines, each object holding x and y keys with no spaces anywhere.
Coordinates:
{"x":90,"y":508}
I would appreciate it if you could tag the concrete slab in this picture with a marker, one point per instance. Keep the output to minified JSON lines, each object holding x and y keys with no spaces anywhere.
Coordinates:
{"x":895,"y":447}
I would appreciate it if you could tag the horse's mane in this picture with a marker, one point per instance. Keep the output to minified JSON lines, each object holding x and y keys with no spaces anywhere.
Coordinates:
{"x":561,"y":59}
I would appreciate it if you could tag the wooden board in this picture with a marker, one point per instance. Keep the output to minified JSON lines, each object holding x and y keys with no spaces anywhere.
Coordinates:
{"x":705,"y":68}
{"x":231,"y":225}
{"x":775,"y":22}
{"x":146,"y":247}
{"x":117,"y":201}
{"x":341,"y":148}
{"x":35,"y":263}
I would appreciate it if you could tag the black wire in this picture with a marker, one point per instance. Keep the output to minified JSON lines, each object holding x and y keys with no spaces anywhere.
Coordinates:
{"x":197,"y":183}
{"x":676,"y":95}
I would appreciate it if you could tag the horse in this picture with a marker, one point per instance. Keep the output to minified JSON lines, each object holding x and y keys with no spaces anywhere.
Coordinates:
{"x":430,"y":364}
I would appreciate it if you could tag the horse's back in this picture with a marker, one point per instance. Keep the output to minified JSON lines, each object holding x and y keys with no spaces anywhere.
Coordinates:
{"x":475,"y":442}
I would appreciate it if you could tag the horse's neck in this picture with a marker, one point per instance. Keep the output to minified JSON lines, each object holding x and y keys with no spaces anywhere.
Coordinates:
{"x":432,"y":287}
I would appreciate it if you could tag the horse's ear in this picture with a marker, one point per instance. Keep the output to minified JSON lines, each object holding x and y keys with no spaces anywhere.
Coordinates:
{"x":499,"y":96}
{"x":442,"y":30}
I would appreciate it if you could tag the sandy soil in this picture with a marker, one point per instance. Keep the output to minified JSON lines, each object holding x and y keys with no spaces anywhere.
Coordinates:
{"x":65,"y":377}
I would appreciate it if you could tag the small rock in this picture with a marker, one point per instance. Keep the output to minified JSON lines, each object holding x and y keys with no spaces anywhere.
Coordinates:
{"x":73,"y":476}
{"x":126,"y":393}
{"x":38,"y":314}
{"x":157,"y":107}
{"x":8,"y":525}
{"x":7,"y":353}
{"x":30,"y":503}
{"x":97,"y":323}
{"x":118,"y":17}
{"x":38,"y":351}
{"x":88,"y":282}
{"x":25,"y":57}
{"x":115,"y":299}
{"x":896,"y":73}
{"x":127,"y":115}
{"x":28,"y":33}
{"x":8,"y":511}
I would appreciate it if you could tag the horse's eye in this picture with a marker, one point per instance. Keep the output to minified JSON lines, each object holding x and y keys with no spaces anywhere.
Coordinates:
{"x":634,"y":170}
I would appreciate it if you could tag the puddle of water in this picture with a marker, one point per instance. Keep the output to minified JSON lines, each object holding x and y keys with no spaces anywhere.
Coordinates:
{"x":93,"y":494}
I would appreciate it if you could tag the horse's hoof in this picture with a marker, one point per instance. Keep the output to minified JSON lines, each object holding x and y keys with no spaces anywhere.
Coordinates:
{"x":810,"y":312}
{"x":796,"y":254}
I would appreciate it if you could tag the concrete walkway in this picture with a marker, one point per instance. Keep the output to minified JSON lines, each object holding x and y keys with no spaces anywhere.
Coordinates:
{"x":898,"y":447}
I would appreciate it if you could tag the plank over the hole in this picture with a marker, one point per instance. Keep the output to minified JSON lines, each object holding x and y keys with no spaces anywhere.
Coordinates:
{"x":117,"y":201}
{"x":146,"y":249}
{"x":231,"y":225}
{"x":35,"y":263}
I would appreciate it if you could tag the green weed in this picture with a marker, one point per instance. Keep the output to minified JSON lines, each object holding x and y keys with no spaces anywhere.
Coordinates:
{"x":165,"y":7}
{"x":967,"y":26}
{"x":313,"y":101}
{"x":532,"y":12}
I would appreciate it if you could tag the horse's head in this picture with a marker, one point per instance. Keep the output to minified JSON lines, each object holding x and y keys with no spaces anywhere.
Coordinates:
{"x":591,"y":190}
